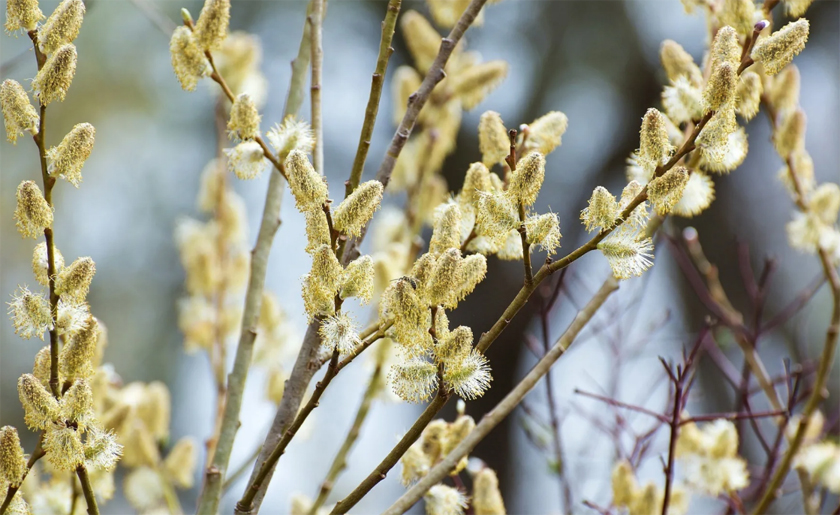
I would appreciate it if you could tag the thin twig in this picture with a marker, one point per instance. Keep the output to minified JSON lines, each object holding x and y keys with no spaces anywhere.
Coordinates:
{"x":87,"y":490}
{"x":505,"y":407}
{"x":316,"y":47}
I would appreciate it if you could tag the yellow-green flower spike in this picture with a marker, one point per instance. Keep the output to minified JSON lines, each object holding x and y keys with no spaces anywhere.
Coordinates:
{"x":526,"y":181}
{"x":308,"y":188}
{"x":779,"y":49}
{"x":357,"y":209}
{"x":244,"y":122}
{"x":447,"y":229}
{"x":62,"y":26}
{"x":188,"y":60}
{"x":546,"y":132}
{"x":601,"y":211}
{"x":54,"y":79}
{"x":493,"y":139}
{"x":679,"y":63}
{"x":33,"y":214}
{"x":22,"y":15}
{"x":39,"y":406}
{"x":66,"y":160}
{"x":212,"y":24}
{"x":18,"y":113}
{"x":73,"y":281}
{"x":12,"y":463}
{"x":665,"y":191}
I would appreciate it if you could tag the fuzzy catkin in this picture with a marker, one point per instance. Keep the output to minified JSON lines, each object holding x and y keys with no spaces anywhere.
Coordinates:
{"x":19,"y":114}
{"x":546,"y":132}
{"x":212,"y":25}
{"x":67,"y":159}
{"x":779,"y":49}
{"x":62,"y":26}
{"x":447,"y":229}
{"x":679,"y":63}
{"x":188,"y":60}
{"x":526,"y":181}
{"x":12,"y":462}
{"x":22,"y":15}
{"x":357,"y":209}
{"x":422,"y":39}
{"x":493,"y":139}
{"x":308,"y":188}
{"x":54,"y":79}
{"x":244,"y":121}
{"x":32,"y":214}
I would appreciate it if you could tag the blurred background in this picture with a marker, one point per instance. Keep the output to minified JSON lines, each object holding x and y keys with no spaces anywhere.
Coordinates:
{"x":595,"y":61}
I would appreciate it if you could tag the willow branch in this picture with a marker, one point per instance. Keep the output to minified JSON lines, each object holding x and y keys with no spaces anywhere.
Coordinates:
{"x":316,"y":47}
{"x":208,"y":503}
{"x":87,"y":490}
{"x":416,"y":102}
{"x":819,"y":392}
{"x":372,"y":110}
{"x":340,"y":461}
{"x":507,"y":405}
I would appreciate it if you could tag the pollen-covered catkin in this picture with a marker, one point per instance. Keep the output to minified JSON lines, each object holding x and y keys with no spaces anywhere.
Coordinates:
{"x":22,"y":15}
{"x":444,"y":500}
{"x":212,"y":25}
{"x":720,"y":88}
{"x":64,"y":447}
{"x":33,"y":214}
{"x":422,"y":39}
{"x":357,"y":280}
{"x":543,"y":230}
{"x":445,"y":274}
{"x":30,"y":314}
{"x":357,"y":209}
{"x":181,"y":461}
{"x":339,"y":333}
{"x":246,"y":160}
{"x":447,"y":229}
{"x":413,"y":380}
{"x":244,"y":120}
{"x":54,"y":79}
{"x":526,"y":181}
{"x":783,"y":89}
{"x":665,"y":191}
{"x":188,"y":60}
{"x":308,"y":188}
{"x":601,"y":211}
{"x":73,"y":281}
{"x":76,"y":357}
{"x":39,"y":406}
{"x":77,"y":404}
{"x":628,"y":253}
{"x":493,"y":139}
{"x":102,"y":452}
{"x":546,"y":132}
{"x":472,"y":271}
{"x":19,"y":114}
{"x":725,"y":48}
{"x":477,"y":179}
{"x":655,"y":146}
{"x":472,"y":85}
{"x":62,"y":26}
{"x":789,"y":136}
{"x":292,"y":134}
{"x":738,"y":14}
{"x":317,"y":229}
{"x":779,"y":49}
{"x":698,"y":194}
{"x":12,"y":462}
{"x":679,"y":63}
{"x":66,"y":160}
{"x":487,"y":499}
{"x":749,"y":93}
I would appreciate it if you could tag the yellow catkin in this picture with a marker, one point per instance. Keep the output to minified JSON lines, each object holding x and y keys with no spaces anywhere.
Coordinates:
{"x":783,"y":89}
{"x":188,"y":60}
{"x":497,"y":215}
{"x":181,"y":461}
{"x":339,"y":333}
{"x":720,"y":88}
{"x":12,"y":463}
{"x":102,"y":452}
{"x":444,"y":500}
{"x":62,"y":26}
{"x":64,"y":447}
{"x":543,"y":230}
{"x":244,"y":120}
{"x":212,"y":25}
{"x":601,"y":211}
{"x":18,"y":113}
{"x":405,"y":82}
{"x":413,"y":380}
{"x":493,"y":140}
{"x":156,"y":410}
{"x":246,"y":160}
{"x":76,"y":357}
{"x":317,"y":229}
{"x":39,"y":406}
{"x":682,"y":101}
{"x":654,"y":144}
{"x":472,"y":271}
{"x":628,"y":253}
{"x":824,"y":202}
{"x":41,"y":366}
{"x":738,"y":14}
{"x":698,"y":194}
{"x":77,"y":404}
{"x":546,"y":132}
{"x":477,"y":179}
{"x":33,"y":214}
{"x":421,"y":271}
{"x":789,"y":136}
{"x":357,"y":280}
{"x":624,"y":484}
{"x":447,"y":229}
{"x":66,"y":160}
{"x":725,"y":48}
{"x":665,"y":191}
{"x":22,"y":15}
{"x":445,"y":274}
{"x":422,"y":39}
{"x":357,"y":209}
{"x":411,"y":316}
{"x":30,"y":313}
{"x":478,"y":81}
{"x":749,"y":95}
{"x":308,"y":188}
{"x":779,"y":49}
{"x":292,"y":134}
{"x":526,"y":181}
{"x":73,"y":281}
{"x":487,"y":499}
{"x":54,"y":79}
{"x":796,"y":8}
{"x":679,"y":63}
{"x":457,"y":344}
